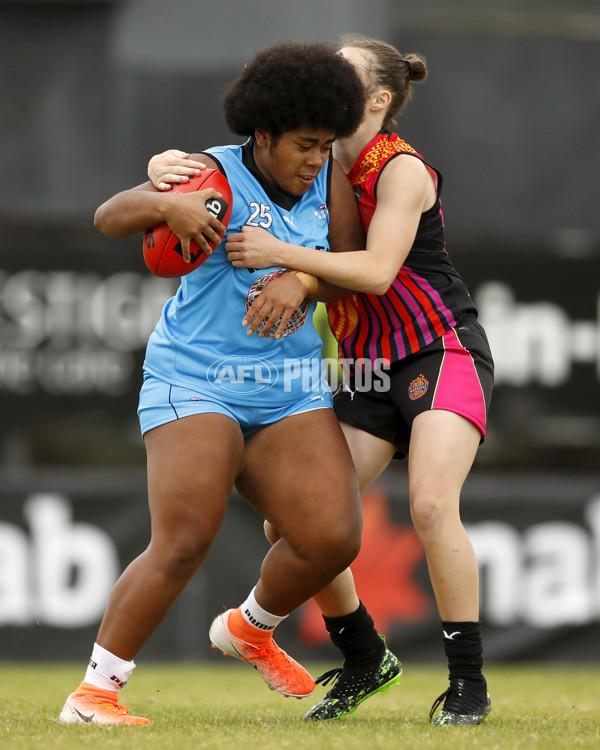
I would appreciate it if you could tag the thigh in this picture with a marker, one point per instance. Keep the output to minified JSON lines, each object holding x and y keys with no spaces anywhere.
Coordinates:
{"x":370,"y":454}
{"x":443,"y":446}
{"x":192,"y":465}
{"x":298,"y":474}
{"x":373,"y":412}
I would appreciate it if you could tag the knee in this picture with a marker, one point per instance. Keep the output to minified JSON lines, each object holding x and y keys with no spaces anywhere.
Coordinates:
{"x":337,"y":548}
{"x":430,"y":514}
{"x":180,"y":558}
{"x":353,"y":542}
{"x":271,"y":532}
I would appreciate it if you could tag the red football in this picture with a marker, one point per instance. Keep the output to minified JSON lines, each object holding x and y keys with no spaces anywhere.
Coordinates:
{"x":162,"y":248}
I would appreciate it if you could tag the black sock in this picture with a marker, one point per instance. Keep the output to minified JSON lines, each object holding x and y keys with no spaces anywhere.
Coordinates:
{"x":464,"y":650}
{"x":356,"y":637}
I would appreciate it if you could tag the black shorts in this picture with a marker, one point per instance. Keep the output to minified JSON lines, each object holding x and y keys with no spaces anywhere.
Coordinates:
{"x":454,"y":373}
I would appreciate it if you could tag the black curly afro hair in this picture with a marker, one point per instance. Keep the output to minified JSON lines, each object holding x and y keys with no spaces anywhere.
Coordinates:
{"x":290,"y":86}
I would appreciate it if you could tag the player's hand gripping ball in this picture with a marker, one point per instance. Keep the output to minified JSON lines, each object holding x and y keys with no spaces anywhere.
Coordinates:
{"x":162,"y":248}
{"x":298,"y":316}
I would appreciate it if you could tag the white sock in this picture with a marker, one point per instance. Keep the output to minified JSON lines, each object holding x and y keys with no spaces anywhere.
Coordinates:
{"x":107,"y":671}
{"x":253,"y":613}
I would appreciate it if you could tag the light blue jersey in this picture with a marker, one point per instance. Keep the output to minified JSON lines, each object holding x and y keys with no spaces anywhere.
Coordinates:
{"x":199,"y":342}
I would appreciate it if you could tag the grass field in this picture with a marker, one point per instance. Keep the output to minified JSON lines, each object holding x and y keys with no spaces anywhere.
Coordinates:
{"x":227,"y":706}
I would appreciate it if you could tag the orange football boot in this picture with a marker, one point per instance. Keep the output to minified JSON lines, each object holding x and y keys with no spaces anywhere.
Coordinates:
{"x":92,"y":705}
{"x":281,"y":673}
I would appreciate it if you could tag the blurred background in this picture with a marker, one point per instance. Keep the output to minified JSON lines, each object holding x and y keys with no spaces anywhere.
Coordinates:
{"x":90,"y":89}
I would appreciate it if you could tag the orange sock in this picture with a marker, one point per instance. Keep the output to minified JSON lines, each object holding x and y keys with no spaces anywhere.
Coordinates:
{"x":242,"y":629}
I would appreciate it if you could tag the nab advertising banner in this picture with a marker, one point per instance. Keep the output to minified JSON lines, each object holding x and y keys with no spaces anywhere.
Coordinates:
{"x":64,"y":539}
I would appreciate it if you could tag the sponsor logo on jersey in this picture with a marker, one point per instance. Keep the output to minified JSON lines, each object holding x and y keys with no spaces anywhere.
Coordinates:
{"x":290,"y":221}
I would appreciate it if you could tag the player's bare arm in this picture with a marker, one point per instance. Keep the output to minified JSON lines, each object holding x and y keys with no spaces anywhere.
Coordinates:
{"x":134,"y":210}
{"x":405,"y":190}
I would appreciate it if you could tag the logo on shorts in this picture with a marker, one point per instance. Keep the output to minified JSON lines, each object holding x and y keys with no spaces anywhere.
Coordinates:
{"x":242,"y":374}
{"x":418,"y":387}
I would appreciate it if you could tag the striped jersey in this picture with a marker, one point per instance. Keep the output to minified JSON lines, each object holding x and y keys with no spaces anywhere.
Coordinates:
{"x":426,"y":298}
